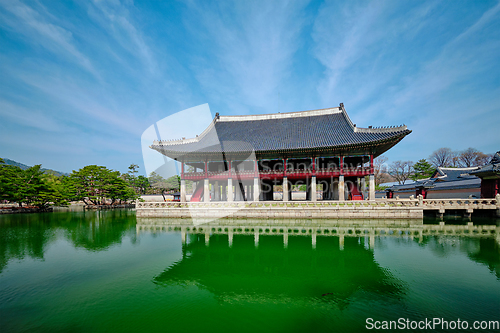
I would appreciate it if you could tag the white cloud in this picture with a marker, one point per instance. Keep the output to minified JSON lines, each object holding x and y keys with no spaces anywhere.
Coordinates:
{"x":53,"y":37}
{"x":115,"y":18}
{"x":249,"y":49}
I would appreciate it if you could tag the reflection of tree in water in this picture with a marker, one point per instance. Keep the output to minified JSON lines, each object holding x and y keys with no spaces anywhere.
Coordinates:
{"x":325,"y":274}
{"x":482,"y":250}
{"x":28,"y":235}
{"x":98,"y":230}
{"x":24,"y":235}
{"x":488,"y":254}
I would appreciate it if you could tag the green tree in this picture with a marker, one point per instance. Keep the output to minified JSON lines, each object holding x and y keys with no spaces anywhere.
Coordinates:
{"x":142,"y":184}
{"x":95,"y":184}
{"x":155,"y":179}
{"x":8,"y":175}
{"x":422,"y":169}
{"x":29,"y":186}
{"x":132,"y":175}
{"x":173,"y":183}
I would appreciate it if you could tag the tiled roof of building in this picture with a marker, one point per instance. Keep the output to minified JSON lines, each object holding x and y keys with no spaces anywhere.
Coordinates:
{"x":445,"y":179}
{"x":451,"y":174}
{"x":325,"y":128}
{"x":491,"y":169}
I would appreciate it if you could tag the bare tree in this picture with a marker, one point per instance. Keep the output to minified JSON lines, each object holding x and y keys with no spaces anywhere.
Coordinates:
{"x":472,"y":157}
{"x":442,"y":157}
{"x":379,"y":168}
{"x":401,"y":170}
{"x":468,"y":157}
{"x":482,"y":159}
{"x":455,"y":160}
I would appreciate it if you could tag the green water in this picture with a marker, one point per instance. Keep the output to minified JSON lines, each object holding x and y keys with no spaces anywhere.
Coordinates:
{"x":95,"y":272}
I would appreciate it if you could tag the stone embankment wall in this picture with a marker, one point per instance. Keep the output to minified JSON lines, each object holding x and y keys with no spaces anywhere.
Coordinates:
{"x":290,"y":210}
{"x":17,"y":210}
{"x":109,"y":206}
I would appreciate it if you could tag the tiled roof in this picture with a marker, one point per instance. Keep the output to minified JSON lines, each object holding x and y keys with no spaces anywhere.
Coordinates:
{"x":327,"y":128}
{"x":451,"y":174}
{"x":491,"y":169}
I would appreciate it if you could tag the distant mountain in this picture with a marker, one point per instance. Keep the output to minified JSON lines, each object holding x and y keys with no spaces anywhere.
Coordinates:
{"x":24,"y":167}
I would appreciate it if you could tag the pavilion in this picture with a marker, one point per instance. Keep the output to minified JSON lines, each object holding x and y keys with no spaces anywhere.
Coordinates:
{"x":242,"y":158}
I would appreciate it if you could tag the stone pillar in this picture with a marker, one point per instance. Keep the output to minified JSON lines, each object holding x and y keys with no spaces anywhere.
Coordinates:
{"x":371,"y":195}
{"x":256,"y":237}
{"x":212,"y":192}
{"x":313,"y":188}
{"x":230,"y":237}
{"x":285,"y":189}
{"x":230,"y":194}
{"x":256,"y":189}
{"x":334,"y":190}
{"x":207,"y":238}
{"x":497,"y":199}
{"x":237,"y":192}
{"x":216,"y":191}
{"x":285,"y":240}
{"x":341,"y":241}
{"x":206,"y":191}
{"x":183,"y":235}
{"x":313,"y":240}
{"x":341,"y":188}
{"x":363,"y":187}
{"x":224,"y":193}
{"x":183,"y":190}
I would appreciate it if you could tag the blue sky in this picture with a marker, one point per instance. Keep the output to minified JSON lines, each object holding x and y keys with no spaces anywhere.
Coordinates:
{"x":81,"y":81}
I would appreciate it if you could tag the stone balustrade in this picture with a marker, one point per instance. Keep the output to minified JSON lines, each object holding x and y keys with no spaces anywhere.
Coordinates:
{"x":385,"y":208}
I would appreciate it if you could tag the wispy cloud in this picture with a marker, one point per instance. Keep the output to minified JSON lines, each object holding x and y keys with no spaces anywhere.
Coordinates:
{"x":116,"y":19}
{"x":54,"y":38}
{"x":246,"y":49}
{"x":28,"y":117}
{"x":95,"y":74}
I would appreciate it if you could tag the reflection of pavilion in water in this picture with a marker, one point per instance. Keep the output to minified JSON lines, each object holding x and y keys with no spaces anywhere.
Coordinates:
{"x":271,"y":272}
{"x":368,"y":229}
{"x":266,"y":259}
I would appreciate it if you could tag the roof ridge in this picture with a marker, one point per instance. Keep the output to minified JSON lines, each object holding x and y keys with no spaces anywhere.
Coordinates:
{"x":457,"y":169}
{"x":267,"y":116}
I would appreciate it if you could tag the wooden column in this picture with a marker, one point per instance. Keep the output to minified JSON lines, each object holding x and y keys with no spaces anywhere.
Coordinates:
{"x":371,"y":164}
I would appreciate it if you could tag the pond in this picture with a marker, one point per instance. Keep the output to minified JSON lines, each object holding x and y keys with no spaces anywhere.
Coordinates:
{"x":107,"y":271}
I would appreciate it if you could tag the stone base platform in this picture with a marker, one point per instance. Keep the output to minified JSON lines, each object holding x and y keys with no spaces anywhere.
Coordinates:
{"x":282,"y":210}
